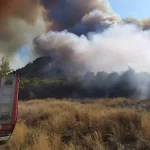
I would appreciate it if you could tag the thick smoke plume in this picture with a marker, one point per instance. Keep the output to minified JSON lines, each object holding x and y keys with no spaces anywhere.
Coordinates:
{"x":115,"y":49}
{"x":87,"y":33}
{"x":95,"y":37}
{"x":72,"y":50}
{"x":67,"y":13}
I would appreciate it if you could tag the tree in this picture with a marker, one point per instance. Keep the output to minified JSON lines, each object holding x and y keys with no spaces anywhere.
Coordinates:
{"x":5,"y":67}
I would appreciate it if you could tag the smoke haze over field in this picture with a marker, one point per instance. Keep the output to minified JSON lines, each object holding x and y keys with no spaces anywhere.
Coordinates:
{"x":88,"y":34}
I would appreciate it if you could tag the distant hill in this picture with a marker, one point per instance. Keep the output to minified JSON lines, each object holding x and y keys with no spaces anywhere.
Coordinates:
{"x":42,"y":67}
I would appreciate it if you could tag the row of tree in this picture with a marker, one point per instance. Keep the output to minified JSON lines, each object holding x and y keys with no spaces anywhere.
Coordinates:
{"x":127,"y":84}
{"x":102,"y":85}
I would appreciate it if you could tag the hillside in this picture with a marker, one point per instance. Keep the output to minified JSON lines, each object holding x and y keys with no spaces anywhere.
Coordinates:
{"x":41,"y":67}
{"x":102,"y":124}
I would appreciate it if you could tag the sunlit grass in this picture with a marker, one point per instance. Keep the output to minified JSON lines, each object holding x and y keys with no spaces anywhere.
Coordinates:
{"x":93,"y":125}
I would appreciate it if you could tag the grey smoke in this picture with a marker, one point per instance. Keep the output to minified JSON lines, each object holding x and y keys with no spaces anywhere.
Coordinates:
{"x":93,"y":21}
{"x":66,"y":14}
{"x":119,"y":46}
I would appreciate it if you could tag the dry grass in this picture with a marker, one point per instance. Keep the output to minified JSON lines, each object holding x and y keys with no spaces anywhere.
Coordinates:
{"x":64,"y":125}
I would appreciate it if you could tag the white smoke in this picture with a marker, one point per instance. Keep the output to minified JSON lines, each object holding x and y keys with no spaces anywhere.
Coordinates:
{"x":114,"y":49}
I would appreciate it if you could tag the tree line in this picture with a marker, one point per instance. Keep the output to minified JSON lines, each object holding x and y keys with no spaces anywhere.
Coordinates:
{"x":100,"y":85}
{"x":127,"y":84}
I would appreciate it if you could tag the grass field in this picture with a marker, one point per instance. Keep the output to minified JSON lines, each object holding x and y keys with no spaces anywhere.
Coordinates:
{"x":112,"y":124}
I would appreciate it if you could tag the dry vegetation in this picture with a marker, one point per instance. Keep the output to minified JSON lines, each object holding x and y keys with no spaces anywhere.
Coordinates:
{"x":91,"y":125}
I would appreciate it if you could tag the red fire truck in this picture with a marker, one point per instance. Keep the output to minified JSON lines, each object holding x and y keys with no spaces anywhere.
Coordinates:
{"x":9,"y":87}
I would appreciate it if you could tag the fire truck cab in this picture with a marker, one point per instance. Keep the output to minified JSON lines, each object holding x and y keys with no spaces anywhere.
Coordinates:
{"x":8,"y":106}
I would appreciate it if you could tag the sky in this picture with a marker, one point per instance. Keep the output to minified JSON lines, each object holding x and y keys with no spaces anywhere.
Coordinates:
{"x":140,"y":10}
